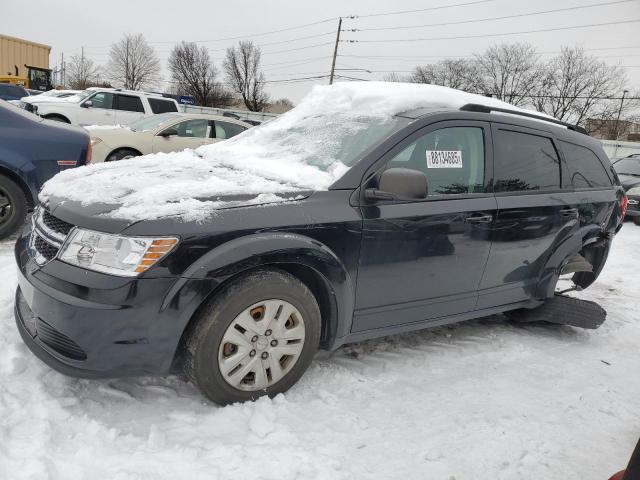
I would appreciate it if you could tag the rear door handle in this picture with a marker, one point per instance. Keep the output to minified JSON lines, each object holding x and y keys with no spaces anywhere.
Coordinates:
{"x":569,"y":212}
{"x":479,"y":219}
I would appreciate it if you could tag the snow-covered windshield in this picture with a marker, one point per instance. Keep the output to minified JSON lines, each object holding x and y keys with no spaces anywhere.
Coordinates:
{"x":153,"y":122}
{"x":308,"y":148}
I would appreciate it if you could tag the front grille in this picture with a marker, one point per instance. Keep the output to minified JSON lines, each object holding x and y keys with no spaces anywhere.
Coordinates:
{"x":44,"y":248}
{"x":47,"y":235}
{"x":55,"y":224}
{"x":58,"y":341}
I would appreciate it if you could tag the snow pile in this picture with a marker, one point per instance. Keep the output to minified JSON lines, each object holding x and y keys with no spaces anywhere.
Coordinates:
{"x":105,"y":127}
{"x":478,"y":400}
{"x":300,"y":150}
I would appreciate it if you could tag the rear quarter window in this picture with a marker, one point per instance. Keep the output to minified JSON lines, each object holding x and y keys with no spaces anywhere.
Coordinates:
{"x":162,"y":106}
{"x":585,"y":170}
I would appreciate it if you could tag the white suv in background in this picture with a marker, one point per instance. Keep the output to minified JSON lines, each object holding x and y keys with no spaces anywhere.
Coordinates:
{"x":107,"y":106}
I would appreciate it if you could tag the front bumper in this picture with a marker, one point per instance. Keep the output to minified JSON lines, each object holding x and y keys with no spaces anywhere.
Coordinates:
{"x":87,"y":324}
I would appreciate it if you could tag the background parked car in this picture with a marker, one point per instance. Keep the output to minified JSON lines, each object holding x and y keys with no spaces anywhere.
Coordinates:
{"x":12,"y":93}
{"x":107,"y":106}
{"x":31,"y":152}
{"x":628,"y":170}
{"x":167,"y":132}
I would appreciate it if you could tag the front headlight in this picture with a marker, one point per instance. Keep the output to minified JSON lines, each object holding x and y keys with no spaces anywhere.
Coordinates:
{"x":114,"y":254}
{"x":95,"y":141}
{"x":634,"y":191}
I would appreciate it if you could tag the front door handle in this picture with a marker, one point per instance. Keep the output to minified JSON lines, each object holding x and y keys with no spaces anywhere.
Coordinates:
{"x":569,"y":212}
{"x":479,"y":219}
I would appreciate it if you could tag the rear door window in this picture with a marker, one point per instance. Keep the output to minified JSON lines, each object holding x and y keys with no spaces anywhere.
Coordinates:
{"x":162,"y":106}
{"x":524,"y":161}
{"x":129,"y":103}
{"x":585,"y":168}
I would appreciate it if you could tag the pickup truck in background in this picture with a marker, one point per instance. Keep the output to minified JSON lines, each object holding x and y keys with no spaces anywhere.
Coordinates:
{"x":107,"y":106}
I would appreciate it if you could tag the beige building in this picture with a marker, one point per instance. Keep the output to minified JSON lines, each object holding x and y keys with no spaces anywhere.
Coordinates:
{"x":15,"y":53}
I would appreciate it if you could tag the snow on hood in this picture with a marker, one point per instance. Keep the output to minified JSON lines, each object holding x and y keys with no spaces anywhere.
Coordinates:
{"x":297,"y":151}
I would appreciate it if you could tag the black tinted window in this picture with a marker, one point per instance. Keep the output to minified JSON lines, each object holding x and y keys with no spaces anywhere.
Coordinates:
{"x":162,"y":106}
{"x":525,"y":162}
{"x":130,"y":103}
{"x":585,"y":169}
{"x":227,"y":130}
{"x":451,"y":158}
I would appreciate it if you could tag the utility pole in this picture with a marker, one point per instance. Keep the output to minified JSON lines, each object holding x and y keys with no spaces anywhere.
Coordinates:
{"x":624,"y":93}
{"x":62,"y":72}
{"x":335,"y":52}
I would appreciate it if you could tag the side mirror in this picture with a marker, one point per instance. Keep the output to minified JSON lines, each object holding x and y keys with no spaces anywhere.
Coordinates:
{"x":87,"y":104}
{"x":399,"y":184}
{"x":169,"y":132}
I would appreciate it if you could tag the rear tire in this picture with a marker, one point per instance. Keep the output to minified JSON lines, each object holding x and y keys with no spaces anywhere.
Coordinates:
{"x":636,"y":220}
{"x":230,"y":365}
{"x":122,"y":154}
{"x":13,"y":207}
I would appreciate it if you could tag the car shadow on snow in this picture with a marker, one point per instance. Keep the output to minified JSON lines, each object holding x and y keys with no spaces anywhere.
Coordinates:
{"x":154,"y":398}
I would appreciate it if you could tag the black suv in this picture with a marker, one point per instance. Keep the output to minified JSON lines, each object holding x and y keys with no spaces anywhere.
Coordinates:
{"x":447,"y":215}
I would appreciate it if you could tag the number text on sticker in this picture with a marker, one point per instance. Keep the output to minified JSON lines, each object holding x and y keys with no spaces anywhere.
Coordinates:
{"x":444,"y":159}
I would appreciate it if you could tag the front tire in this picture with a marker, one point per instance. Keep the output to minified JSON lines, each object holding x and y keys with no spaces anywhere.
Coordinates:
{"x":13,"y":207}
{"x":636,"y":220}
{"x":257,"y":337}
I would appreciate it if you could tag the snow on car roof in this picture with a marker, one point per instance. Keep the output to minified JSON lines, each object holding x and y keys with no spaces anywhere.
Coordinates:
{"x":302,"y":149}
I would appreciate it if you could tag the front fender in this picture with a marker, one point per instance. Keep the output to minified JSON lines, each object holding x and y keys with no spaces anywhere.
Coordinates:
{"x":274,"y":248}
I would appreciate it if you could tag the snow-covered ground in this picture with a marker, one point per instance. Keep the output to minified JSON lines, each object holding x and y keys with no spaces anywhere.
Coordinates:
{"x":478,"y":400}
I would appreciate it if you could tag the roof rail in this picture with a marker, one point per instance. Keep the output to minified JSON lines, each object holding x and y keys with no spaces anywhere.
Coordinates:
{"x":476,"y":107}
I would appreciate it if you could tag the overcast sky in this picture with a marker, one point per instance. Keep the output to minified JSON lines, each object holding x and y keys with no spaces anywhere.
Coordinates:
{"x":68,"y":25}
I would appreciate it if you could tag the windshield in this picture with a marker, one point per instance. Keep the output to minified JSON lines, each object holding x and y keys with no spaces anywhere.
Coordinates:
{"x":152,"y":123}
{"x":628,"y":166}
{"x":12,"y":92}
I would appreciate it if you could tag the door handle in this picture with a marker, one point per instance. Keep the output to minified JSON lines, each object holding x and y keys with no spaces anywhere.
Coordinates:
{"x":569,"y":212}
{"x":479,"y":219}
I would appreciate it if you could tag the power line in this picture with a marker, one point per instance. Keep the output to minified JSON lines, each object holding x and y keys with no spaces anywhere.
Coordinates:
{"x":458,"y":37}
{"x":299,"y":48}
{"x":442,"y":7}
{"x":504,"y":17}
{"x":292,"y":63}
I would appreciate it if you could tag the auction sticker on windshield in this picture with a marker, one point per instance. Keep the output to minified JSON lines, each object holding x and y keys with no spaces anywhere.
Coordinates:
{"x":444,"y":159}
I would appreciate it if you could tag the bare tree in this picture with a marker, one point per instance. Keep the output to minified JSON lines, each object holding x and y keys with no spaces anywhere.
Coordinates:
{"x":133,"y":64}
{"x":508,"y":72}
{"x":283,"y":104}
{"x":454,"y":73}
{"x":81,"y":72}
{"x":242,"y":67}
{"x":194,"y":74}
{"x":575,"y":86}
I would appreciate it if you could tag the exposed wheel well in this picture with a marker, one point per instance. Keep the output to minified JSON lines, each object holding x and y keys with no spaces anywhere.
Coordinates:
{"x":311,"y":278}
{"x":20,"y":182}
{"x":596,"y":255}
{"x":122,"y":149}
{"x":58,"y":117}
